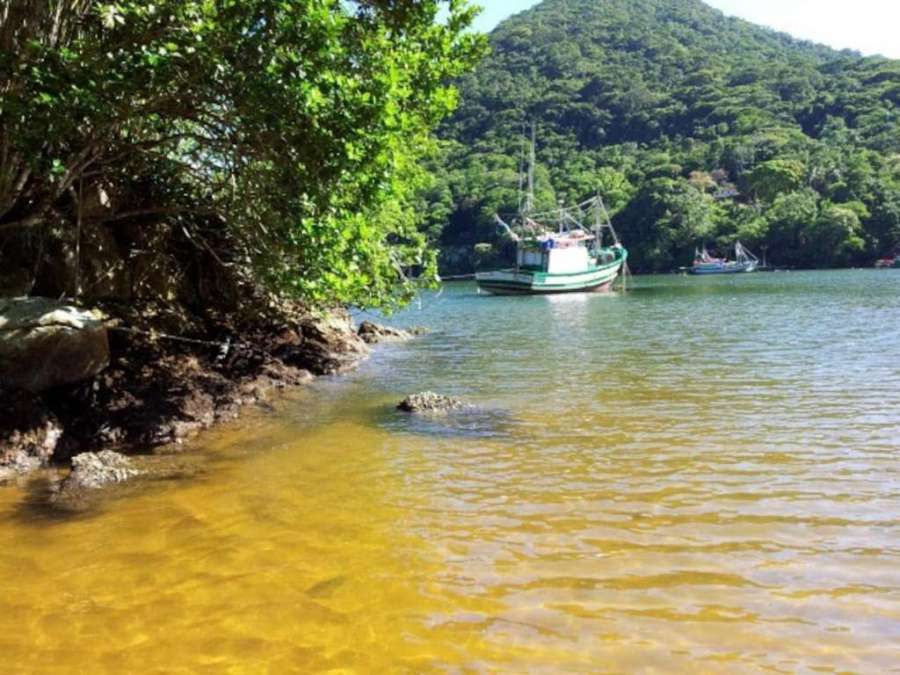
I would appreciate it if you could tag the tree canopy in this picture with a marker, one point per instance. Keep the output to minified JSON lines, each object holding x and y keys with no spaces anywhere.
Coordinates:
{"x":292,"y":128}
{"x":697,"y":128}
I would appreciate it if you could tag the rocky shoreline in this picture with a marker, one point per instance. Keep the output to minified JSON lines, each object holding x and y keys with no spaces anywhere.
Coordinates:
{"x":167,"y":378}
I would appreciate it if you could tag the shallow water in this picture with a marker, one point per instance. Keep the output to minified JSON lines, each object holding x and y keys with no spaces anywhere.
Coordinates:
{"x":702,"y":475}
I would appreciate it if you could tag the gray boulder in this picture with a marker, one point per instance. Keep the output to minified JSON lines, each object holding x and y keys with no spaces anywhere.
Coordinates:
{"x":372,"y":333}
{"x":91,"y":470}
{"x":428,"y":401}
{"x":45,"y":343}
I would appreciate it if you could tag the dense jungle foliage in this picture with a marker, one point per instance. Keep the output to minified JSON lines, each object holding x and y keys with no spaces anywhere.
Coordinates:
{"x":696,"y":128}
{"x":279,"y":138}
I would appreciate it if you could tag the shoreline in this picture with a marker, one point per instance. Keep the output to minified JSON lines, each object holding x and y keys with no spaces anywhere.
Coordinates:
{"x":160,"y":389}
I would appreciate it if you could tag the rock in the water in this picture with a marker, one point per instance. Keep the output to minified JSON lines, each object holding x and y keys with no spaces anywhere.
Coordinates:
{"x":45,"y":344}
{"x":80,"y":492}
{"x":96,"y":469}
{"x":428,"y":401}
{"x":372,"y":333}
{"x":29,"y":434}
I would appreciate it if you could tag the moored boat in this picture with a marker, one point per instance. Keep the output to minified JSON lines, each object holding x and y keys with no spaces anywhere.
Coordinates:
{"x":555,"y":252}
{"x":557,"y":263}
{"x":744,"y":261}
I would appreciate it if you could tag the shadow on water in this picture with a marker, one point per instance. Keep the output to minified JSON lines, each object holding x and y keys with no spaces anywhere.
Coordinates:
{"x":45,"y":501}
{"x":37,"y":506}
{"x":44,"y":504}
{"x":464,"y":423}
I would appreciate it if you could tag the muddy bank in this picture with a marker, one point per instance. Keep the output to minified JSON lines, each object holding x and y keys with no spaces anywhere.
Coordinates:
{"x":169,"y":376}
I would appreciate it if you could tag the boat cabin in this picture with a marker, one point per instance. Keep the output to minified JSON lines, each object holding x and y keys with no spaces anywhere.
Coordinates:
{"x":567,"y":253}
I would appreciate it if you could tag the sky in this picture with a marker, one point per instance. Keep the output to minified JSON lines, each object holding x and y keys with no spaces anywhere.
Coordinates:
{"x":868,"y":26}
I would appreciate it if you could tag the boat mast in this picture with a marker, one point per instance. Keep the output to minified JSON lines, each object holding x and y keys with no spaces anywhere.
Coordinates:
{"x":529,"y":197}
{"x":522,"y":159}
{"x":741,"y":254}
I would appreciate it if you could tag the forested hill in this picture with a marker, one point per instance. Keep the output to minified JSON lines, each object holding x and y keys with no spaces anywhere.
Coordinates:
{"x":695,"y":126}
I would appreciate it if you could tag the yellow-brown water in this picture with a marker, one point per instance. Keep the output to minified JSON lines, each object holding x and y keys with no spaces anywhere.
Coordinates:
{"x":700,"y":476}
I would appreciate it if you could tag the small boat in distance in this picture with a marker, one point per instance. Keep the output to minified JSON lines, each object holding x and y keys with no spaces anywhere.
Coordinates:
{"x":566,"y":258}
{"x":744,"y":261}
{"x":887,"y":263}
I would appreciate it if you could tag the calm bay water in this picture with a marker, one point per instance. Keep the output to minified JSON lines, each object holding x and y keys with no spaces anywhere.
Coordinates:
{"x":702,"y":475}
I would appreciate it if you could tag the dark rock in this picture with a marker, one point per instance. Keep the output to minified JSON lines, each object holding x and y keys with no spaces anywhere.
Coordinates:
{"x":372,"y":333}
{"x":428,"y":401}
{"x":29,"y":434}
{"x":91,"y":470}
{"x":328,"y":344}
{"x":16,"y":279}
{"x":46,"y":344}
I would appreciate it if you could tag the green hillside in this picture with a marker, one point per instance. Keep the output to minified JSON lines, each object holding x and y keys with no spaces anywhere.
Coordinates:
{"x":696,"y":127}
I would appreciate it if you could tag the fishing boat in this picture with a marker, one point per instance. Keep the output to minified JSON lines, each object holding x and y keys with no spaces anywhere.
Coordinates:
{"x":556,"y":252}
{"x":558,"y":262}
{"x":744,"y":261}
{"x":885,"y":263}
